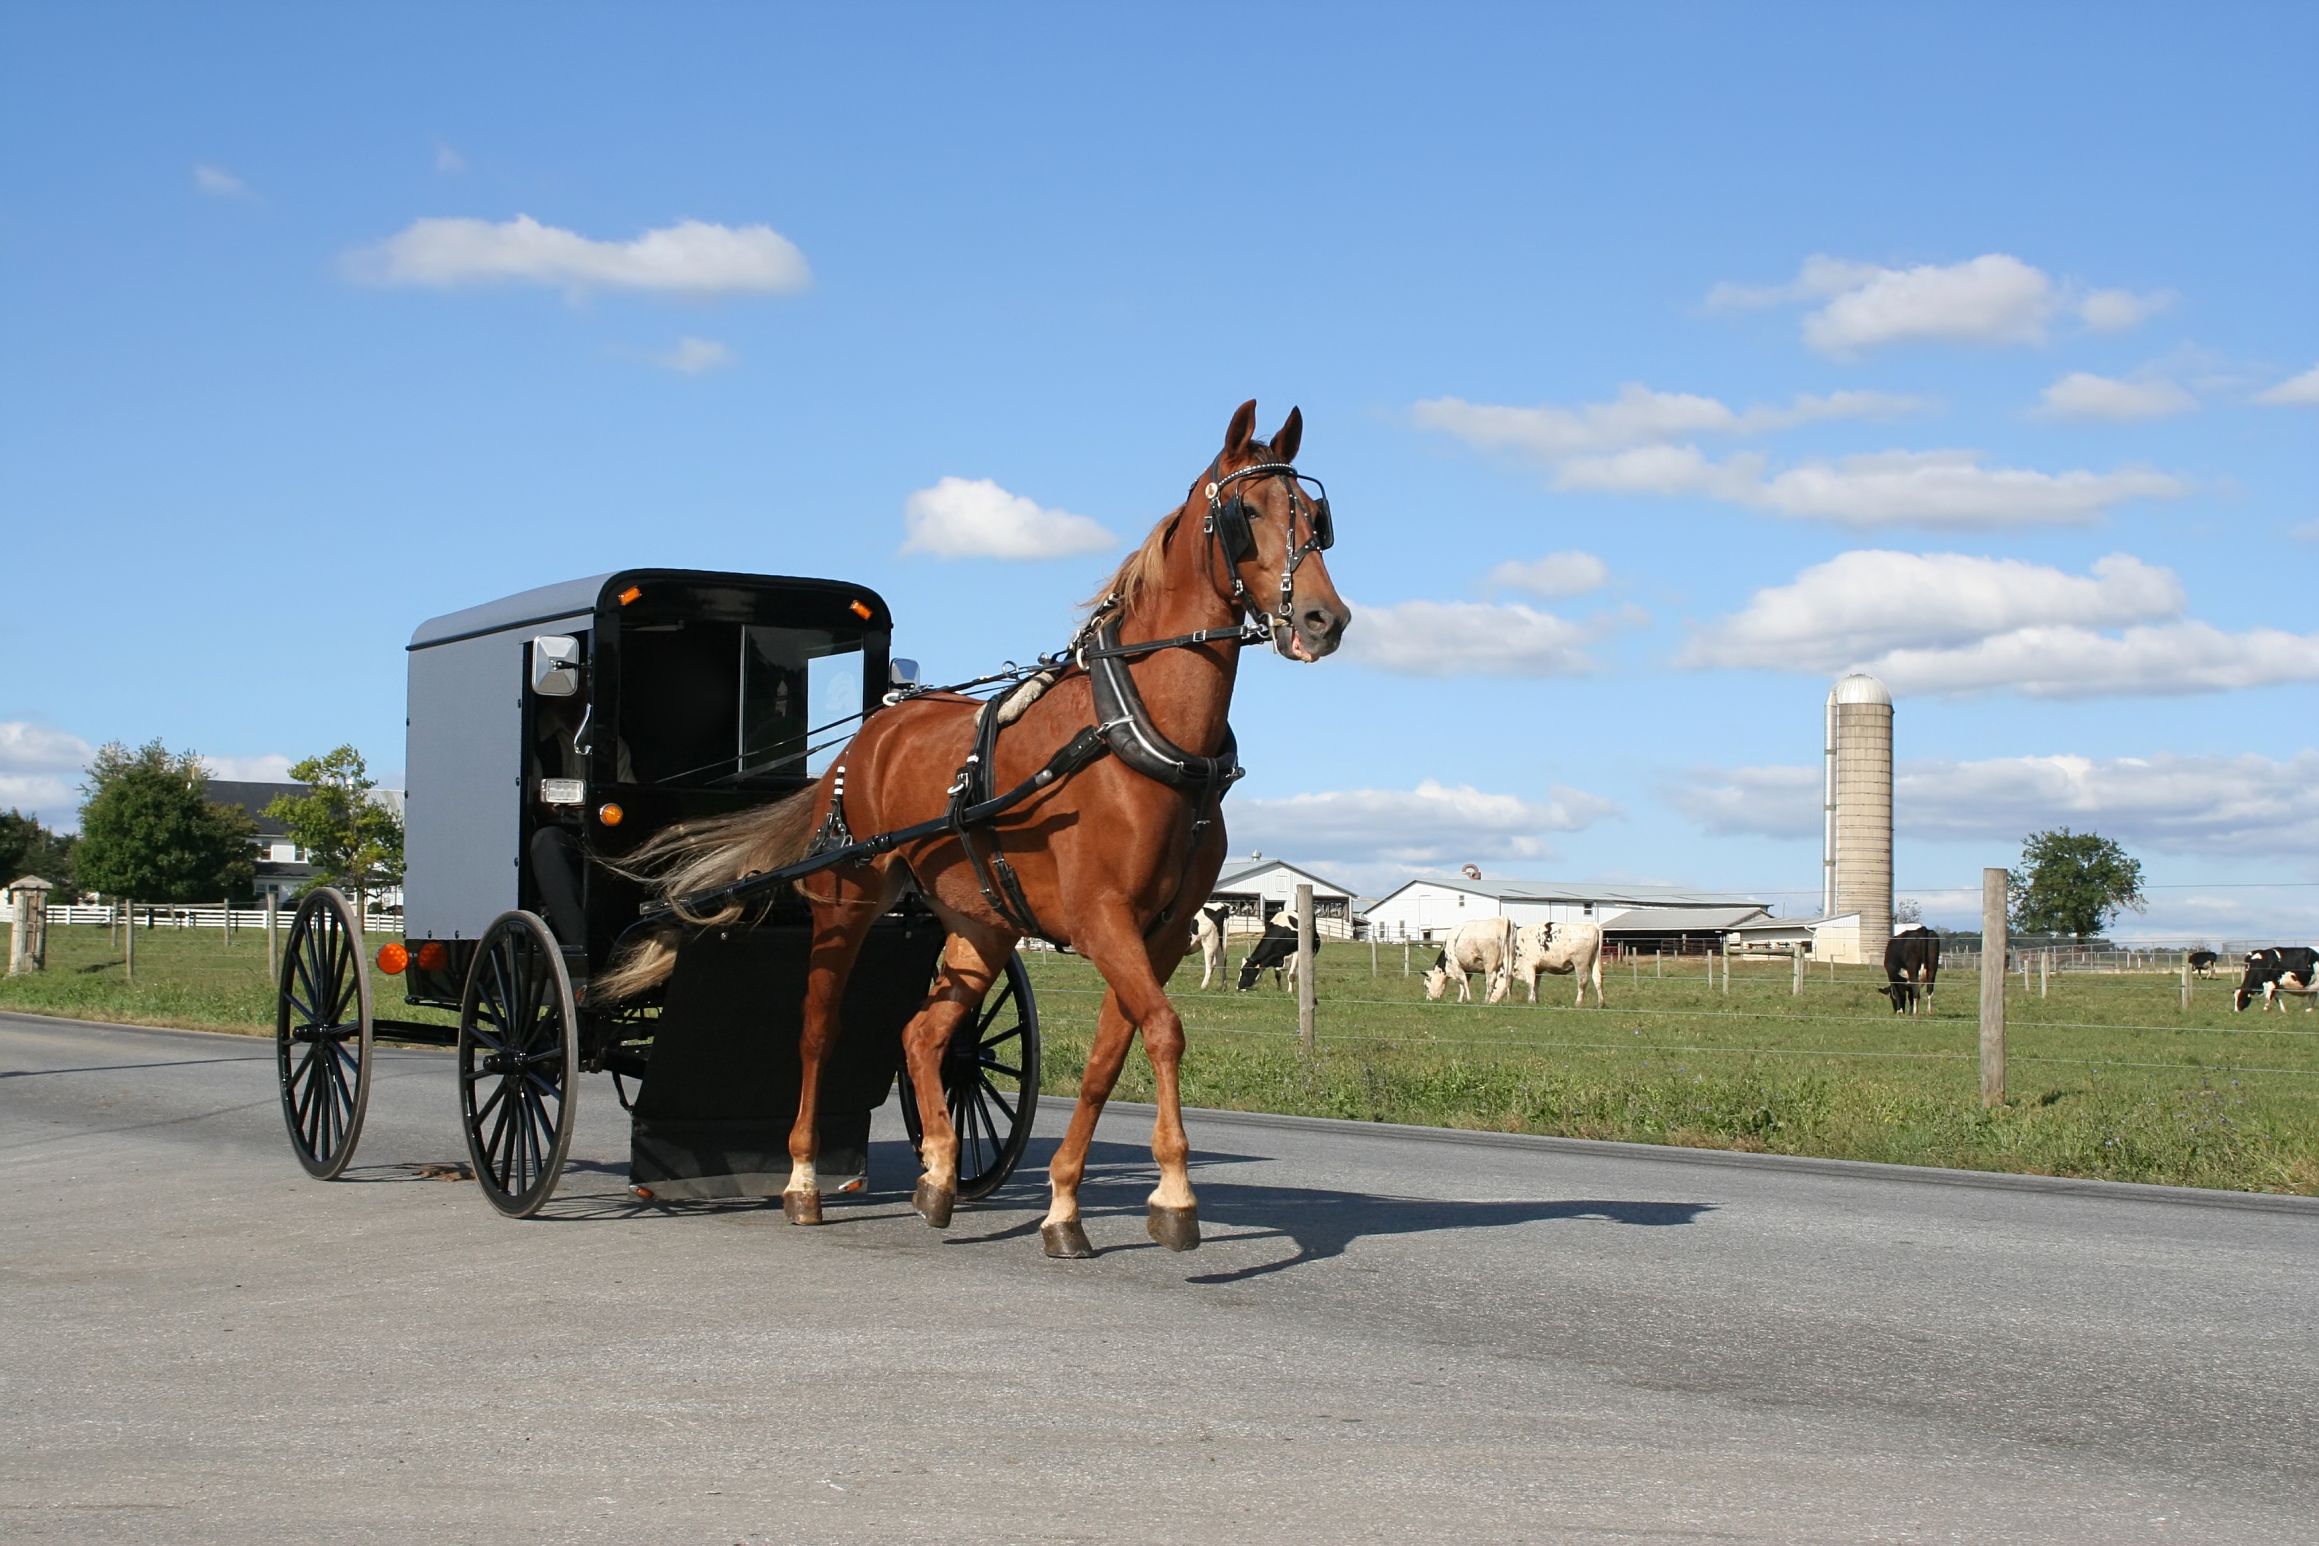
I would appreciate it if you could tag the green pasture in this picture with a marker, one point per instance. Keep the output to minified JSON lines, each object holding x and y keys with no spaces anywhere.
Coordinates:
{"x":2108,"y":1077}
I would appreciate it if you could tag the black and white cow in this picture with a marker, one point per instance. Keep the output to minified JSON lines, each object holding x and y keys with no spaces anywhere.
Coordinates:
{"x":1912,"y":964}
{"x":1275,"y":952}
{"x":1572,"y":949}
{"x":1208,"y":933}
{"x":2202,"y":963}
{"x":2277,"y":972}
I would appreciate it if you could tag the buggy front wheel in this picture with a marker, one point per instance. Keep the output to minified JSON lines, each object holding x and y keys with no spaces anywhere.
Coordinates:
{"x":519,"y":1057}
{"x":990,"y":1079}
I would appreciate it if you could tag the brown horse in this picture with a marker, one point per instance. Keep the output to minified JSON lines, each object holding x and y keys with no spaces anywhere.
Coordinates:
{"x":1106,"y":859}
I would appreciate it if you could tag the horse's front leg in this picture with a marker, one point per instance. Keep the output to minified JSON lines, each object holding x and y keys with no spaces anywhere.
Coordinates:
{"x":1135,"y":968}
{"x":1061,"y":1231}
{"x":971,"y":962}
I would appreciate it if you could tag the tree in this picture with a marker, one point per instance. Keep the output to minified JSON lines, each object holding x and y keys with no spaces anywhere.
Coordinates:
{"x":2072,"y":883}
{"x":149,"y":832}
{"x":28,"y":848}
{"x":1908,"y":910}
{"x":351,"y":839}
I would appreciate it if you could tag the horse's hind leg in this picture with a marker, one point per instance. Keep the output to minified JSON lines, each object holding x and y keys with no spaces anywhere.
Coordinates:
{"x":840,"y":924}
{"x":971,"y":962}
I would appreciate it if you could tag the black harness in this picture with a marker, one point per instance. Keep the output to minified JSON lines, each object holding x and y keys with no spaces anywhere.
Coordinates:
{"x":1229,"y":521}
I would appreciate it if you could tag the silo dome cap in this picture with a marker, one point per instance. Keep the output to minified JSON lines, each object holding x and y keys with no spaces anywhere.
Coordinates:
{"x":1860,"y":687}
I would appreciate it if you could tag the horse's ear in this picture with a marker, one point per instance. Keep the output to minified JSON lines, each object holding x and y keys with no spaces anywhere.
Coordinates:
{"x":1291,"y":435}
{"x":1241,"y":430}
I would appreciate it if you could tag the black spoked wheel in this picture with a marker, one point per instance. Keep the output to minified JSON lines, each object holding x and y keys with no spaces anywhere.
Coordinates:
{"x":322,"y":1033}
{"x":990,"y":1074}
{"x":519,"y":1051}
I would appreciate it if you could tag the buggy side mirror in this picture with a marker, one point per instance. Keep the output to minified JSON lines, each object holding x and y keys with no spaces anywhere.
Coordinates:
{"x":901,"y":673}
{"x":555,"y":665}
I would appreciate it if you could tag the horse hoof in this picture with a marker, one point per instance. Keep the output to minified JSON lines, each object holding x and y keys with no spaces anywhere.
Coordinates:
{"x":1066,"y":1241}
{"x":801,"y":1207}
{"x":1176,"y":1228}
{"x":934,"y":1203}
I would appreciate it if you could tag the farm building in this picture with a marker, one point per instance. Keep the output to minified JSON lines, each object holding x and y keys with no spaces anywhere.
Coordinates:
{"x":1678,"y":930}
{"x":1429,"y":908}
{"x":1824,"y":939}
{"x":1257,"y":887}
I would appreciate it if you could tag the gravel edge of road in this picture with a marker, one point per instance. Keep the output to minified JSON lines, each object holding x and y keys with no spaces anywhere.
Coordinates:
{"x":1664,"y":1154}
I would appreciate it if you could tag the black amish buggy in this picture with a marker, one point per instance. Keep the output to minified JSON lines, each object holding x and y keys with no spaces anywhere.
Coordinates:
{"x":565,"y":726}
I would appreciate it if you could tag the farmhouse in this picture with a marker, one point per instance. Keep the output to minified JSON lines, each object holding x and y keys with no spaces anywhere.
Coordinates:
{"x":1429,"y":908}
{"x":281,"y":864}
{"x":1257,"y":887}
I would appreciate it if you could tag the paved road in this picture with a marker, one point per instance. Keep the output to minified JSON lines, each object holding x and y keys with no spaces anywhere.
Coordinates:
{"x":1390,"y":1336}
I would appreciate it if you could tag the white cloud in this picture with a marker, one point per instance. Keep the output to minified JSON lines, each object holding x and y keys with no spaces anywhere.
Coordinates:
{"x":1427,"y":826}
{"x":2295,"y":392}
{"x":1466,"y":638}
{"x":1640,"y":416}
{"x":1885,"y":488}
{"x":1556,"y":575}
{"x":1859,"y":605}
{"x":1952,"y":624}
{"x":1993,"y":299}
{"x":448,"y":161}
{"x":695,"y":356}
{"x":2171,"y":658}
{"x":219,"y":183}
{"x":975,"y":518}
{"x":264,"y":768}
{"x":2174,"y":804}
{"x":2083,"y":395}
{"x":2307,"y":532}
{"x":40,"y":772}
{"x":2114,"y":311}
{"x":692,"y":257}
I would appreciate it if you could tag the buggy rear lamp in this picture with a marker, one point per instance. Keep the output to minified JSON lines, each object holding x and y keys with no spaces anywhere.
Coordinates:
{"x":630,"y":594}
{"x":610,"y":814}
{"x":392,"y":958}
{"x":861,"y":609}
{"x":433,"y":956}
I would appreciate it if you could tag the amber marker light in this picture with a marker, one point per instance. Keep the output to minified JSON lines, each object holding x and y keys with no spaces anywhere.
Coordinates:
{"x":630,"y":594}
{"x":861,"y":609}
{"x":609,"y":814}
{"x":433,"y":956}
{"x":392,"y":958}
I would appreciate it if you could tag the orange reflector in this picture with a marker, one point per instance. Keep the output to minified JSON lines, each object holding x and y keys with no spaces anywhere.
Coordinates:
{"x":861,"y":609}
{"x":630,"y":594}
{"x":392,"y":958}
{"x":609,"y":814}
{"x":433,"y":956}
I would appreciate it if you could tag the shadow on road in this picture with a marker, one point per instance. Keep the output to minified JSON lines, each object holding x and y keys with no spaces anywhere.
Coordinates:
{"x":1320,"y":1222}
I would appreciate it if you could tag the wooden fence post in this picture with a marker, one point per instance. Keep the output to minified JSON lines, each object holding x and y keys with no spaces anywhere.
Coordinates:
{"x":1372,"y":953}
{"x":2186,"y":985}
{"x":1798,"y":951}
{"x":2045,"y":974}
{"x":273,"y":935}
{"x":129,"y":937}
{"x":1304,"y":963}
{"x":1993,"y":987}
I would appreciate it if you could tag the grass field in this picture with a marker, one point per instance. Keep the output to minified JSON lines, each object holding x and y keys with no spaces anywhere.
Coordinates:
{"x":2109,"y":1077}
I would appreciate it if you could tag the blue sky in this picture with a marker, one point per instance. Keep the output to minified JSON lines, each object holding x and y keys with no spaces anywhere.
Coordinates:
{"x":1662,"y":362}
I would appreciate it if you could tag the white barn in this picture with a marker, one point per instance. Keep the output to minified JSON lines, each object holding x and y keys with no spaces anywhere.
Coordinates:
{"x":1255,"y":888}
{"x":1429,"y":908}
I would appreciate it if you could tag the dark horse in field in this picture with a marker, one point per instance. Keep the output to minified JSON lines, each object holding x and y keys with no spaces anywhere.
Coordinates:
{"x":1111,"y":859}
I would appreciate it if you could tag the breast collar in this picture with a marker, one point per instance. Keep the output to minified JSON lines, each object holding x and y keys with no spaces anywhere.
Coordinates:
{"x":1125,"y":721}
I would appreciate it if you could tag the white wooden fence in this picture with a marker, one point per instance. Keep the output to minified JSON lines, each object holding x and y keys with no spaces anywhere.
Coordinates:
{"x":200,"y":915}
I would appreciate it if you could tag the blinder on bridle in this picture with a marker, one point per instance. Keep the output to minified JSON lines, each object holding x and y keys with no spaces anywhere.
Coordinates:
{"x":1230,"y":522}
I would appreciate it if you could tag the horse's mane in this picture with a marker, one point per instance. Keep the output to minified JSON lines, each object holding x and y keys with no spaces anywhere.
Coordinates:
{"x":1139,"y":573}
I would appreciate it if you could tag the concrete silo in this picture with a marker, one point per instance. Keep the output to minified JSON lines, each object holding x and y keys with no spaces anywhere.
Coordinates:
{"x":1856,"y":863}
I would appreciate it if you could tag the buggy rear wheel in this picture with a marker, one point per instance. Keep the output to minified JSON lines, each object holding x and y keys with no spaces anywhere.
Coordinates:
{"x":990,"y":1076}
{"x":322,"y":1006}
{"x":519,"y":1054}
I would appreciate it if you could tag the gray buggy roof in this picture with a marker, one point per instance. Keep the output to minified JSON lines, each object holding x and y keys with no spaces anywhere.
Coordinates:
{"x":548,"y":602}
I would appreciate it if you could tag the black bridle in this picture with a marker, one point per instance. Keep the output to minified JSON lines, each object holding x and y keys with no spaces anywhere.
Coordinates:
{"x":1229,"y":526}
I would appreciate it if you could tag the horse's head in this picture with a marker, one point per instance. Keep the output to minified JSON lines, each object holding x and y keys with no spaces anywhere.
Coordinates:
{"x":1270,"y":524}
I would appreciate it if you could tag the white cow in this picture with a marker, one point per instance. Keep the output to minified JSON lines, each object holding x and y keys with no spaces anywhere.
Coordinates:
{"x":1484,"y":945}
{"x":1561,"y":950}
{"x":1208,"y":931}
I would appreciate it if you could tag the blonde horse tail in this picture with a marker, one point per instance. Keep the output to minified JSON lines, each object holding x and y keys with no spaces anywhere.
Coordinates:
{"x":698,"y":856}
